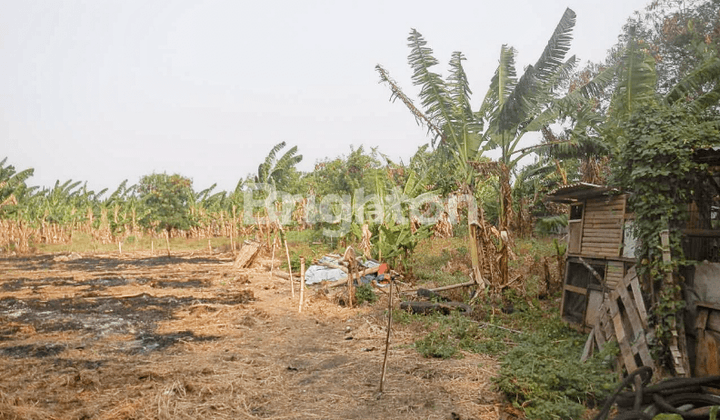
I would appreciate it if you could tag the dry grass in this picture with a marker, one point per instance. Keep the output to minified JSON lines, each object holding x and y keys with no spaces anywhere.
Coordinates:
{"x":263,"y":361}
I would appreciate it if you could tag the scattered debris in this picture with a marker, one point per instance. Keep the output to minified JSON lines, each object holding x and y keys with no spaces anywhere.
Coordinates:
{"x":622,"y":317}
{"x":247,"y":254}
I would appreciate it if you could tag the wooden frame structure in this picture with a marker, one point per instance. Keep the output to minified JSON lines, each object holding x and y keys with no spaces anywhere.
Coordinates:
{"x":600,"y":249}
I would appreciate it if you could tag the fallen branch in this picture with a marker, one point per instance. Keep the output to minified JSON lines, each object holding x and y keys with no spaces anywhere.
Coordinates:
{"x":439,"y":289}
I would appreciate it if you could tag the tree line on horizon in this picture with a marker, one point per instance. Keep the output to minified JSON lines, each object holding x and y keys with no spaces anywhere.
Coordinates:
{"x":665,"y":62}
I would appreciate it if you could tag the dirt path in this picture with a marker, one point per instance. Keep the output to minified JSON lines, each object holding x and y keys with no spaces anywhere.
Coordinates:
{"x":141,"y":336}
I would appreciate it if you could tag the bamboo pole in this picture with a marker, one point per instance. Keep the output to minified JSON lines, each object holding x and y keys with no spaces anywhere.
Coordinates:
{"x":302,"y":283}
{"x":387,"y":340}
{"x":232,"y":231}
{"x":292,"y":282}
{"x":272,"y":259}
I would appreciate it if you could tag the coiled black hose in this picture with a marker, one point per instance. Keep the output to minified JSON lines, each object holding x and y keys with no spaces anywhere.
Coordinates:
{"x":668,"y":396}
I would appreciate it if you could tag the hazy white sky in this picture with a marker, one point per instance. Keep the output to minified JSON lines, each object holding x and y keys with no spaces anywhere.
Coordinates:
{"x":107,"y":90}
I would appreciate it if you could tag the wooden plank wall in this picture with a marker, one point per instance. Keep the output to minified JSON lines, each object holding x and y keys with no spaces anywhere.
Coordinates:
{"x":614,"y":274}
{"x":603,"y":226}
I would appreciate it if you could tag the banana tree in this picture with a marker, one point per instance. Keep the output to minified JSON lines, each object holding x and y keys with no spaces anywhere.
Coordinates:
{"x":511,"y":108}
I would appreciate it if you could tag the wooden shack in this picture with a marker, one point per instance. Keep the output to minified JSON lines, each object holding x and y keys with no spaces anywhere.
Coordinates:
{"x":600,"y":248}
{"x":602,"y":294}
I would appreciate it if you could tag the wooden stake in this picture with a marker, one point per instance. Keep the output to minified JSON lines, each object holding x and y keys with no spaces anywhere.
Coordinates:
{"x":120,"y":247}
{"x":292,"y":282}
{"x":209,"y":247}
{"x":351,"y":284}
{"x":302,"y":283}
{"x":152,"y":247}
{"x":387,"y":339}
{"x":232,"y":232}
{"x":272,"y":259}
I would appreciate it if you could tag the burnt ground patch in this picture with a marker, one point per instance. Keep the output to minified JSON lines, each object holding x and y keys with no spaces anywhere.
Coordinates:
{"x":104,"y":315}
{"x":32,"y":350}
{"x":148,"y":342}
{"x":93,"y":263}
{"x":174,"y":284}
{"x":77,"y":363}
{"x":103,"y":283}
{"x":7,"y":333}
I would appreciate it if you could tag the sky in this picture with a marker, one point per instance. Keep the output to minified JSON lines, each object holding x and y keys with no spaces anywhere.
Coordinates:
{"x":107,"y":90}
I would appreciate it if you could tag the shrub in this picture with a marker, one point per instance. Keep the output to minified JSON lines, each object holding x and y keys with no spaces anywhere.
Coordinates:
{"x":365,"y":293}
{"x":544,"y":374}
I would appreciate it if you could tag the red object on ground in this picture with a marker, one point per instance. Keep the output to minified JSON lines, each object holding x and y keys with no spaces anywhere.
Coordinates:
{"x":383,"y":268}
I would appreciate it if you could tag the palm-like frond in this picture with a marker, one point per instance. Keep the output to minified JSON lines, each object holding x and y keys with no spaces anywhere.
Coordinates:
{"x":273,"y":168}
{"x":468,"y":126}
{"x":265,"y":167}
{"x":397,"y":93}
{"x":434,"y":95}
{"x":502,"y":83}
{"x":528,"y":92}
{"x":637,"y":82}
{"x":692,"y":84}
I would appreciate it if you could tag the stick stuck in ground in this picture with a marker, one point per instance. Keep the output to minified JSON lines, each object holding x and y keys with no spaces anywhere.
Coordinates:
{"x":387,"y":340}
{"x":302,"y":282}
{"x":287,"y":253}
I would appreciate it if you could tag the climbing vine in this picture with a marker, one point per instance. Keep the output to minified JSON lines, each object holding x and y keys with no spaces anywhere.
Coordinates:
{"x":655,"y":163}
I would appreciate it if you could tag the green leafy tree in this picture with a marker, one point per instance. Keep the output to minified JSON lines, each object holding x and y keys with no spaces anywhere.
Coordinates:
{"x":167,"y":200}
{"x":279,"y":170}
{"x":512,"y":107}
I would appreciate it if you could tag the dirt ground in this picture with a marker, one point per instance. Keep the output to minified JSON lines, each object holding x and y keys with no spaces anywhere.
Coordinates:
{"x":139,"y":336}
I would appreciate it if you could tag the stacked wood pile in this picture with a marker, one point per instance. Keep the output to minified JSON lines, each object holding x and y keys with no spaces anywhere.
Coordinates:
{"x":622,"y":317}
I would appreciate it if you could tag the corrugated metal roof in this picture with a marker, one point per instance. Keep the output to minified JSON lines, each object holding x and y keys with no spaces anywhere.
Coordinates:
{"x":578,"y":191}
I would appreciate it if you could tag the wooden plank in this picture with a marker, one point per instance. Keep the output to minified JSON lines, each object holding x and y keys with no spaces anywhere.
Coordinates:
{"x":639,"y":302}
{"x":640,"y":347}
{"x":631,"y":311}
{"x":602,"y":232}
{"x":713,"y":321}
{"x":600,"y":336}
{"x":702,"y":318}
{"x":607,"y":235}
{"x":627,"y":356}
{"x":575,"y":239}
{"x":596,"y":244}
{"x":592,"y":309}
{"x":600,"y":252}
{"x":603,"y":214}
{"x":598,"y":224}
{"x":575,"y":289}
{"x":605,"y":205}
{"x":589,"y":346}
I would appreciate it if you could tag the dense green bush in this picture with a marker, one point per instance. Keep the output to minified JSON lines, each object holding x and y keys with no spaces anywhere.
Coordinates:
{"x":545,"y":376}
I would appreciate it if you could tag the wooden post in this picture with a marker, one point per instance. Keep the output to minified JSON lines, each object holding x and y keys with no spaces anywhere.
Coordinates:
{"x":272,"y":259}
{"x":292,"y":282}
{"x":351,"y":284}
{"x":120,"y":247}
{"x":152,"y":247}
{"x":387,"y":339}
{"x":678,"y":343}
{"x":232,"y":231}
{"x":167,"y":241}
{"x":209,"y":247}
{"x":302,"y":283}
